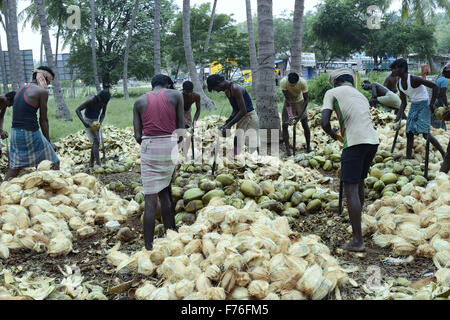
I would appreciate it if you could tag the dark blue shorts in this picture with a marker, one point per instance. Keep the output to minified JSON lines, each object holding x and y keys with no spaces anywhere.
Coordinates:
{"x":356,"y":161}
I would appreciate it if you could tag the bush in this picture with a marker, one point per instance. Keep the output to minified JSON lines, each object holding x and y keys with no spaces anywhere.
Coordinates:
{"x":317,"y":88}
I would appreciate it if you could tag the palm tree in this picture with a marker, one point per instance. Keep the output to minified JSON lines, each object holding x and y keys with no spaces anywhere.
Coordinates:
{"x":252,"y":48}
{"x":205,"y":101}
{"x":208,"y":38}
{"x":127,"y":51}
{"x":157,"y":37}
{"x":266,"y":99}
{"x":62,"y":112}
{"x":2,"y":63}
{"x":94,"y":54}
{"x":297,"y":36}
{"x":12,"y":35}
{"x":423,"y":8}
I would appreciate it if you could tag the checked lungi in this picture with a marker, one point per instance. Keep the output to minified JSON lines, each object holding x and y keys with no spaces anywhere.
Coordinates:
{"x":159,"y":156}
{"x":29,"y":148}
{"x":419,"y":118}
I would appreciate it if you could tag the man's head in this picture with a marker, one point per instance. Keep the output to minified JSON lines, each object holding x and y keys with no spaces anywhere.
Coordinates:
{"x":10,"y":98}
{"x":399,"y":67}
{"x":43,"y":76}
{"x":216,"y":83}
{"x":446,"y":71}
{"x":104,"y":96}
{"x":161,"y":80}
{"x":366,"y":85}
{"x":293,"y":78}
{"x":340,"y":76}
{"x":188,"y":87}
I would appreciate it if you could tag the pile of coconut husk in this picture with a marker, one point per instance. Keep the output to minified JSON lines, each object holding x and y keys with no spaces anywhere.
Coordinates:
{"x":415,"y":221}
{"x":46,"y":210}
{"x":231,"y":253}
{"x":71,"y":286}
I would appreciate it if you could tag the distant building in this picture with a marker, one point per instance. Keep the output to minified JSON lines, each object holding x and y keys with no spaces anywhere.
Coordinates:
{"x":26,"y":66}
{"x":63,"y":69}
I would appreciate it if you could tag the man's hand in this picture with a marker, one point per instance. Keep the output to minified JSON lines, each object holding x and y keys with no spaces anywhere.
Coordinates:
{"x":432,"y":108}
{"x":373,"y":102}
{"x":4,"y":134}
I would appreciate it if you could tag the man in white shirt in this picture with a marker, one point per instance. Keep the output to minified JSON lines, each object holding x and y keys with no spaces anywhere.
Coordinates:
{"x":360,"y":140}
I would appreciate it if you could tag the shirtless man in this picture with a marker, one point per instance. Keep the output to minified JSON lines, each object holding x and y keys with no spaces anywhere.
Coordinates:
{"x":190,"y":97}
{"x":5,"y":102}
{"x":382,"y":95}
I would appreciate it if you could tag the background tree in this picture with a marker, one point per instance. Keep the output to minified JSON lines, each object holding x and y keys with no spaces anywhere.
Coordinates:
{"x":252,"y":48}
{"x":113,"y":19}
{"x":127,"y":51}
{"x":208,"y":38}
{"x":12,"y":36}
{"x":266,"y":100}
{"x":62,"y":112}
{"x":297,"y":36}
{"x":93,"y":47}
{"x":2,"y":57}
{"x":423,"y":9}
{"x":198,"y":88}
{"x":157,"y":41}
{"x":225,"y":34}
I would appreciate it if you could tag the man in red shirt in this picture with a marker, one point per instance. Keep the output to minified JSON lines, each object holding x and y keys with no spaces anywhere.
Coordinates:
{"x":156,"y":116}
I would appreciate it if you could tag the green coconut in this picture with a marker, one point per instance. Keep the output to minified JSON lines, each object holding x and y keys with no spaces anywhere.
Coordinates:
{"x":217,"y":193}
{"x":314,"y":205}
{"x":225,"y":179}
{"x":194,"y":206}
{"x":193,"y":194}
{"x":389,"y":178}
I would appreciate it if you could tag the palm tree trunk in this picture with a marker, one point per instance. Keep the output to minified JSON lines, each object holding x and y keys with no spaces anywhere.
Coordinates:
{"x":266,"y":99}
{"x":297,"y":36}
{"x":57,"y":41}
{"x":15,"y":59}
{"x":127,"y":51}
{"x":252,"y":48}
{"x":62,"y":112}
{"x":208,"y":38}
{"x":41,"y":62}
{"x":205,"y":101}
{"x":94,"y":55}
{"x":157,"y":37}
{"x":72,"y":85}
{"x":3,"y":69}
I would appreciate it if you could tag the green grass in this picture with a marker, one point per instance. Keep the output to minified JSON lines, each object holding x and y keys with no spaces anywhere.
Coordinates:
{"x":119,"y":114}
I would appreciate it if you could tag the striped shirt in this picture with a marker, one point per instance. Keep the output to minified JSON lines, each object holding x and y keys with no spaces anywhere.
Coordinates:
{"x":353,"y":112}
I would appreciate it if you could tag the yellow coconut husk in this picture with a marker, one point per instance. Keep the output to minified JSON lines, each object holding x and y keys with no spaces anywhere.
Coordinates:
{"x":258,"y":289}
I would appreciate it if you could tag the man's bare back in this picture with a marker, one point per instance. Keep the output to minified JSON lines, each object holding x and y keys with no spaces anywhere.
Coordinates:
{"x":391,"y":83}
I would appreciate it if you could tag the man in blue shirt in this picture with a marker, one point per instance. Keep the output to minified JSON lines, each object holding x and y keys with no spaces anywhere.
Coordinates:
{"x":442,"y":83}
{"x":93,"y":107}
{"x":243,"y":116}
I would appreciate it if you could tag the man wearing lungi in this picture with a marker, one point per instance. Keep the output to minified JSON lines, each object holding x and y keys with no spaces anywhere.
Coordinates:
{"x":360,"y":143}
{"x":156,"y":116}
{"x":441,"y":101}
{"x":295,"y":90}
{"x":243,"y":116}
{"x":442,"y":83}
{"x":419,"y":116}
{"x":382,"y":95}
{"x":190,"y":97}
{"x":29,"y":146}
{"x":93,"y":107}
{"x":5,"y":102}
